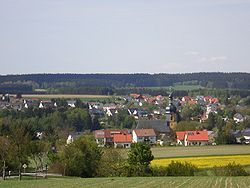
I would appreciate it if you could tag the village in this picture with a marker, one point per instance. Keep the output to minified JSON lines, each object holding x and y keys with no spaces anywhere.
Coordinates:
{"x":159,"y":120}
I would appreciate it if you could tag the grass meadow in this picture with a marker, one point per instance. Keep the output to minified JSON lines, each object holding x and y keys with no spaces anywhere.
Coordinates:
{"x":135,"y":182}
{"x":180,"y":151}
{"x":66,"y":96}
{"x":193,"y":151}
{"x":203,"y":157}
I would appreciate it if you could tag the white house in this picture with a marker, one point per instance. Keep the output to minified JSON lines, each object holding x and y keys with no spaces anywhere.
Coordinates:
{"x":70,"y":139}
{"x":238,"y":118}
{"x":140,"y":135}
{"x":71,"y":104}
{"x":41,"y":104}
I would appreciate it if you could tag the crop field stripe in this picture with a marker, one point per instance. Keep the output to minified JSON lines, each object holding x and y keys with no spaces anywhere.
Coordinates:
{"x":171,"y":152}
{"x":206,"y":162}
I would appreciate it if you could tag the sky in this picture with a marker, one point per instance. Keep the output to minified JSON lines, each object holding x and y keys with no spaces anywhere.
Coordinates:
{"x":124,"y":36}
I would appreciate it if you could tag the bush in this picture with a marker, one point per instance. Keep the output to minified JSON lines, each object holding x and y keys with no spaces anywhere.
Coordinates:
{"x":111,"y":163}
{"x":159,"y":171}
{"x":181,"y":169}
{"x":231,"y":169}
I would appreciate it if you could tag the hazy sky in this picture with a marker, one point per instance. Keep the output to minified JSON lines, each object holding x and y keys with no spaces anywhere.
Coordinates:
{"x":124,"y":36}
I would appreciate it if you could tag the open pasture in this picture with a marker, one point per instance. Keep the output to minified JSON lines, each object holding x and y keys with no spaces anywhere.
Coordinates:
{"x":180,"y":151}
{"x":135,"y":182}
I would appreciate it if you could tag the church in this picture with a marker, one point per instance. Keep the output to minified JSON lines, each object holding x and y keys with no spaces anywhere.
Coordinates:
{"x":162,"y":127}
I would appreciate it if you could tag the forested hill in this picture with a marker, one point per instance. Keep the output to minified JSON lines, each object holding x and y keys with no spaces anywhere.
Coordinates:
{"x":29,"y":82}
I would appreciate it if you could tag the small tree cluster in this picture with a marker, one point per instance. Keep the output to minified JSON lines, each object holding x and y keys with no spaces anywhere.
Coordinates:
{"x":139,"y":158}
{"x":81,"y":158}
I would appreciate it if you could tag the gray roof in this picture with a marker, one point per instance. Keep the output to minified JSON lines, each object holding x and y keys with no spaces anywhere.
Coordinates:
{"x":159,"y":126}
{"x":245,"y":132}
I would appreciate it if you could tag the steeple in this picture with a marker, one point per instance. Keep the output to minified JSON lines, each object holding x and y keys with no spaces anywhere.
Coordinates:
{"x":171,"y":112}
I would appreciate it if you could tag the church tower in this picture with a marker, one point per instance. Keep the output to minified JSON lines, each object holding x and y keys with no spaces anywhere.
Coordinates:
{"x":171,"y":113}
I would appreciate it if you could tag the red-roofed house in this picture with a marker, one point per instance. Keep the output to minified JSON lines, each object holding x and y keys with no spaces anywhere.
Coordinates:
{"x":140,"y":135}
{"x":214,"y":100}
{"x":186,"y":99}
{"x":105,"y":137}
{"x":122,"y":140}
{"x":188,"y":138}
{"x":207,"y":98}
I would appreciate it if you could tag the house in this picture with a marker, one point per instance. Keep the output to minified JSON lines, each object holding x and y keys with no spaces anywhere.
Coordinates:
{"x":31,"y":103}
{"x":186,"y":99}
{"x":207,"y":98}
{"x":188,"y":138}
{"x":140,"y":135}
{"x":109,"y":106}
{"x":69,"y":140}
{"x":238,"y":118}
{"x":73,"y":136}
{"x":47,"y":104}
{"x":142,"y":113}
{"x":214,"y":100}
{"x":242,"y":137}
{"x":159,"y":126}
{"x":105,"y":137}
{"x":133,"y":111}
{"x":41,"y":104}
{"x":111,"y":112}
{"x":96,"y":112}
{"x":122,"y":140}
{"x":17,"y":106}
{"x":137,"y":97}
{"x":71,"y":103}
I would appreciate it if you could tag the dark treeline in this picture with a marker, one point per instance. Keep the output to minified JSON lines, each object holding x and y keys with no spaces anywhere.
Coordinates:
{"x":84,"y":83}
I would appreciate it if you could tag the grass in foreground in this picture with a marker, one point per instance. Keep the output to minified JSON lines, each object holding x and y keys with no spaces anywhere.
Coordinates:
{"x":203,"y":182}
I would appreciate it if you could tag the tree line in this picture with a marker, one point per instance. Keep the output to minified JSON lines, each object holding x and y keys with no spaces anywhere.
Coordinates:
{"x":106,"y":83}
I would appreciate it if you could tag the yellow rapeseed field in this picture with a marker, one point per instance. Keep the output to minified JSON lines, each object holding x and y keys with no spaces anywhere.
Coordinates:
{"x":206,"y":162}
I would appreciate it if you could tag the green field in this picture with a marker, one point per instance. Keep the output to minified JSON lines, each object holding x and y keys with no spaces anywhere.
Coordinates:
{"x":191,"y":151}
{"x":84,"y":98}
{"x":180,"y":151}
{"x":66,"y":96}
{"x":178,"y":87}
{"x":209,"y":182}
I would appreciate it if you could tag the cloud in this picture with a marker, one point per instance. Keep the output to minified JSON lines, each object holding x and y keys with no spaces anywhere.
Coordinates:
{"x":216,"y":58}
{"x":194,"y":53}
{"x":213,"y":59}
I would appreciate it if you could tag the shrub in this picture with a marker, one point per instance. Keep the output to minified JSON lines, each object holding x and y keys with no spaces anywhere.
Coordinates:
{"x":176,"y":168}
{"x":231,"y":169}
{"x":111,"y":163}
{"x":159,"y":171}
